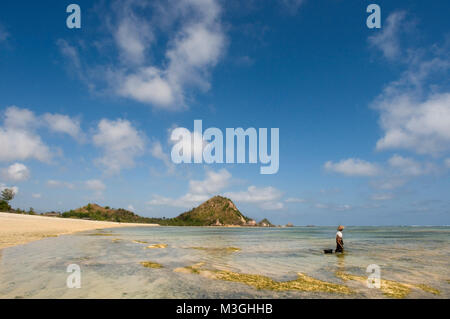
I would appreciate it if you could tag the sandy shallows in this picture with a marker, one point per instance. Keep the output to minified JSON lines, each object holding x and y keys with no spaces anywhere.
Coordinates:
{"x":18,"y":229}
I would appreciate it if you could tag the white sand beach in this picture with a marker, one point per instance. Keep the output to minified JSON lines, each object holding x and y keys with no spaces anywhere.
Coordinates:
{"x":18,"y":229}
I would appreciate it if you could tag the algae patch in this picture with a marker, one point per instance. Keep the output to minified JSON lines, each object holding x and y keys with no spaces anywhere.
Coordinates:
{"x":156,"y":246}
{"x":429,"y":289}
{"x":150,"y":264}
{"x":302,"y":283}
{"x":218,"y":249}
{"x":140,"y":242}
{"x":390,"y":288}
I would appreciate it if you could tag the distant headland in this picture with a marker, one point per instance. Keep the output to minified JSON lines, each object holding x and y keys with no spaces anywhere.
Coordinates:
{"x":216,"y":211}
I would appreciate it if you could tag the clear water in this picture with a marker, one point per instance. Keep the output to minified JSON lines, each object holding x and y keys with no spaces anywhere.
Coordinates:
{"x":112,"y":270}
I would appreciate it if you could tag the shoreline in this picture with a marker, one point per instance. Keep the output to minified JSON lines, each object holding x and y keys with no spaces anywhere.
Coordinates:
{"x":17,"y":229}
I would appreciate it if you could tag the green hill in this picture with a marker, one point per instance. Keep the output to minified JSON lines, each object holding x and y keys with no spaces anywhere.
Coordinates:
{"x":217,"y":211}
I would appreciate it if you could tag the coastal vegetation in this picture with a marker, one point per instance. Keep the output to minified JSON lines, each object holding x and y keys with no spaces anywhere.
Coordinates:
{"x":217,"y":211}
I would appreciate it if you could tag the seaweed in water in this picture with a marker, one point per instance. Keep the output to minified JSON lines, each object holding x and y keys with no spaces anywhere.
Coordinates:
{"x":390,"y":288}
{"x":302,"y":283}
{"x":150,"y":264}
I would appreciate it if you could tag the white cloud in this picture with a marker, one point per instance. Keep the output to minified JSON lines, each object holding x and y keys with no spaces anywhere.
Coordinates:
{"x":421,"y":126}
{"x":60,"y":184}
{"x":19,"y":144}
{"x":95,"y":185}
{"x":292,"y":6}
{"x":266,"y":197}
{"x":130,"y":208}
{"x":213,"y":183}
{"x":199,"y":190}
{"x":63,"y":124}
{"x":387,"y":38}
{"x":133,"y":36}
{"x":16,"y":172}
{"x":121,"y":144}
{"x":19,"y":137}
{"x":408,"y":167}
{"x":194,"y":41}
{"x":447,"y":162}
{"x":271,"y":205}
{"x":256,"y":195}
{"x":158,"y":152}
{"x":353,"y":167}
{"x":338,"y":208}
{"x":36,"y":195}
{"x":148,"y":86}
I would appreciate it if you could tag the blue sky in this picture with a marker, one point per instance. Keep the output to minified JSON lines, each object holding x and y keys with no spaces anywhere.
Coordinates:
{"x":364,"y":114}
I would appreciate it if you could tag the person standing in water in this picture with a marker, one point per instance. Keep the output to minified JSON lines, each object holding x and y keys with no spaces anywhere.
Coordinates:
{"x":339,"y":240}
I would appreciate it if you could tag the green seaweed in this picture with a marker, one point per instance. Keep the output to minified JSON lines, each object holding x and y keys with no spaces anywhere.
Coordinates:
{"x":150,"y":264}
{"x":218,"y":249}
{"x":302,"y":283}
{"x":429,"y":289}
{"x":390,"y":288}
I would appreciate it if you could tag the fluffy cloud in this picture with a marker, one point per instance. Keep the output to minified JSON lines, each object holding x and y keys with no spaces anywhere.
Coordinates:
{"x":266,"y":197}
{"x":408,"y":167}
{"x":447,"y":162}
{"x":352,"y":167}
{"x":191,"y":34}
{"x":16,"y":172}
{"x":158,"y":152}
{"x":387,"y":39}
{"x":421,"y":126}
{"x":121,"y":144}
{"x":415,"y":109}
{"x":60,"y":184}
{"x":199,"y":190}
{"x":19,"y":137}
{"x":95,"y":185}
{"x":63,"y":124}
{"x":292,"y":6}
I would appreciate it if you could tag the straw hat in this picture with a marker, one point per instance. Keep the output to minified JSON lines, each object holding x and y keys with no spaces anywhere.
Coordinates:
{"x":340,"y":227}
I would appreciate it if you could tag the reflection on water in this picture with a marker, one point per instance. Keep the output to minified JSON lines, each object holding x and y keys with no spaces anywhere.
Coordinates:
{"x":111,"y":265}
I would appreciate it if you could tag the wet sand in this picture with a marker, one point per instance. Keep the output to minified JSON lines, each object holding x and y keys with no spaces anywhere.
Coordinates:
{"x":18,"y":229}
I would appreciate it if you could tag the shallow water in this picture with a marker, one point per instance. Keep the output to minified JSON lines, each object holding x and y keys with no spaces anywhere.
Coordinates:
{"x":111,"y":268}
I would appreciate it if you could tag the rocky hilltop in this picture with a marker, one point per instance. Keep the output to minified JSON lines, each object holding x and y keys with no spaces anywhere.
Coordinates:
{"x":216,"y":211}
